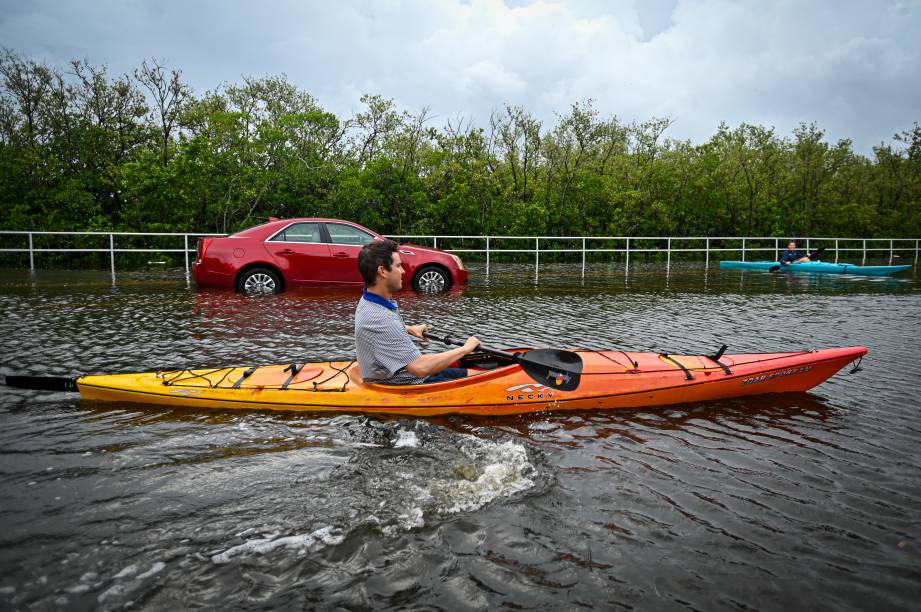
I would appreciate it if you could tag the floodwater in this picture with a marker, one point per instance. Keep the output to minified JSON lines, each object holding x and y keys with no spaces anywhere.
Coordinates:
{"x":800,"y":501}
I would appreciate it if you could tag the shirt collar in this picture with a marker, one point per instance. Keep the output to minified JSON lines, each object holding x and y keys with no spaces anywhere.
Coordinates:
{"x":376,"y":299}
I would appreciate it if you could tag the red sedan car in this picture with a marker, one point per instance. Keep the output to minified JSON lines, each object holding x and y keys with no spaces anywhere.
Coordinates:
{"x":287,"y":253}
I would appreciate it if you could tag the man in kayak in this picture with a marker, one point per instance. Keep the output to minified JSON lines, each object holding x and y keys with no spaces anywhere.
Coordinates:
{"x":791,"y":255}
{"x":386,"y":352}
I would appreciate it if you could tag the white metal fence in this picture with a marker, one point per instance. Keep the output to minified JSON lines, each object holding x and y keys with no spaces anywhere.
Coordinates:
{"x":663,"y":244}
{"x":878,"y":248}
{"x":108,"y":245}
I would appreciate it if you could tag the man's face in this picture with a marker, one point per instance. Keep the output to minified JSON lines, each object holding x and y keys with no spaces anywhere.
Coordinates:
{"x":393,"y":278}
{"x":791,"y":246}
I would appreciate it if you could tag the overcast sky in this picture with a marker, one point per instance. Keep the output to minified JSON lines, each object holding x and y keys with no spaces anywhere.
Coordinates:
{"x":854,"y":67}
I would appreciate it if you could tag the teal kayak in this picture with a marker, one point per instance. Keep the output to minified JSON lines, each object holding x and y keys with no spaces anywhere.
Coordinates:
{"x":816,"y":267}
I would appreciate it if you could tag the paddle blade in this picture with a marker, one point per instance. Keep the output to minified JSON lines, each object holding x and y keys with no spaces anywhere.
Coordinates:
{"x":552,"y":367}
{"x":42,"y":383}
{"x":817,"y":252}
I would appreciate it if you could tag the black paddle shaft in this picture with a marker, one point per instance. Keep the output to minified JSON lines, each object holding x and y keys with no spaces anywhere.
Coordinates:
{"x":42,"y":383}
{"x":551,"y":367}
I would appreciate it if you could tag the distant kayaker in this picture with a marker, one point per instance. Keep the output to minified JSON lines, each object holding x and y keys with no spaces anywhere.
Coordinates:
{"x":386,"y":353}
{"x":791,"y":255}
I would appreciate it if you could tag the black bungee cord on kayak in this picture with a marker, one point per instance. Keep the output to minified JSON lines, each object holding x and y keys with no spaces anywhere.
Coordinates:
{"x":633,"y":370}
{"x":180,"y":378}
{"x":192,"y":375}
{"x":857,"y":367}
{"x":344,"y":371}
{"x":670,"y":357}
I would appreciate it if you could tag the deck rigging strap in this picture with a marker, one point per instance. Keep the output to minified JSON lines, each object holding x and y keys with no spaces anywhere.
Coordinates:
{"x":716,"y":359}
{"x":295,"y":370}
{"x":246,"y":374}
{"x":687,"y":373}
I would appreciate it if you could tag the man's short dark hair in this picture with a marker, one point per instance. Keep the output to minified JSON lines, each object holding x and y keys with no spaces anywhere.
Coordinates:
{"x":378,"y":252}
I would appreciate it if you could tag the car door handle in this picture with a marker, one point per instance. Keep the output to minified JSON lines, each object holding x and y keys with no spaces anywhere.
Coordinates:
{"x":340,"y":254}
{"x":285,"y":252}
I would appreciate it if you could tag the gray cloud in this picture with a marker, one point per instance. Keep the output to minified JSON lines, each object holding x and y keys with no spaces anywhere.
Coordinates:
{"x":850,"y":66}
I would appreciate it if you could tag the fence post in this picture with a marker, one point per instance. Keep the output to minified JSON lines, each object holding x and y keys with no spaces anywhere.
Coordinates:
{"x":112,"y":255}
{"x":707,"y":253}
{"x":536,"y":256}
{"x":31,"y":258}
{"x":916,"y":251}
{"x":487,"y":255}
{"x":777,"y":248}
{"x":435,"y":242}
{"x":583,"y":258}
{"x":185,"y":242}
{"x":836,"y":250}
{"x":743,"y":249}
{"x":864,"y":260}
{"x":668,"y":260}
{"x":891,"y":251}
{"x":627,"y":265}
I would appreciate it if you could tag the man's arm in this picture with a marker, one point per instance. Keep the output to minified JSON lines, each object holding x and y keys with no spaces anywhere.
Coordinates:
{"x":426,"y":365}
{"x":418,"y":330}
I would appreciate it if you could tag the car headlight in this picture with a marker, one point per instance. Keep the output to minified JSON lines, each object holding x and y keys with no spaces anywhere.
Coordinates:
{"x":457,"y":260}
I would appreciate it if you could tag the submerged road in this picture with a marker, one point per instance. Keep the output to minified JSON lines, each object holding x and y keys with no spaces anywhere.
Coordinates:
{"x":803,"y":501}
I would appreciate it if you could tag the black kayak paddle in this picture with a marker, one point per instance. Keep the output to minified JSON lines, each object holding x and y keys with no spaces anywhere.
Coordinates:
{"x":552,"y":367}
{"x":815,"y":253}
{"x":42,"y":383}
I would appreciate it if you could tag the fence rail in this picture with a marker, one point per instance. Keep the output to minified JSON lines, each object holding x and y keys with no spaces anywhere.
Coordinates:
{"x":535,"y":244}
{"x":111,"y":249}
{"x":863,"y":245}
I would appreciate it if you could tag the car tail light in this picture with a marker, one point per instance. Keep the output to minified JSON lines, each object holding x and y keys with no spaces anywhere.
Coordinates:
{"x":202,"y":247}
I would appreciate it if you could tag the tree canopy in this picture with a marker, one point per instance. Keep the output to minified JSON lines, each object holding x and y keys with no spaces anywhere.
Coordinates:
{"x":81,"y":149}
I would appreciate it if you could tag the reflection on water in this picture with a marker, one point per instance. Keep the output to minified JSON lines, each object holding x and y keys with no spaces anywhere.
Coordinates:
{"x":774,"y":502}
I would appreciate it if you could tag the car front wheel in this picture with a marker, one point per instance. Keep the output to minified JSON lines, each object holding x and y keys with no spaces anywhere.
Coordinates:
{"x":259,"y":281}
{"x":431,"y":279}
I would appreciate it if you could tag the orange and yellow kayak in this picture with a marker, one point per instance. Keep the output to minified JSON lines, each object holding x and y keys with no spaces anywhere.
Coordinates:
{"x":609,"y":379}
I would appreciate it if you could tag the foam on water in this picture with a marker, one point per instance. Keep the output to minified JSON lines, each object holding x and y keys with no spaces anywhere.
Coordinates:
{"x":311,"y":542}
{"x":488,"y":471}
{"x":507,"y":473}
{"x":407,"y":439}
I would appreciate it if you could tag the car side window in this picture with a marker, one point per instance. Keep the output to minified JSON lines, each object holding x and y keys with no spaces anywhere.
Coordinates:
{"x":300,"y":232}
{"x":347,"y":234}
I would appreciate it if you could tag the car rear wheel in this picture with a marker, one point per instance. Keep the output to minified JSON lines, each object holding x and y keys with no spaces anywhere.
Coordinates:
{"x":259,"y":281}
{"x":431,"y":279}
